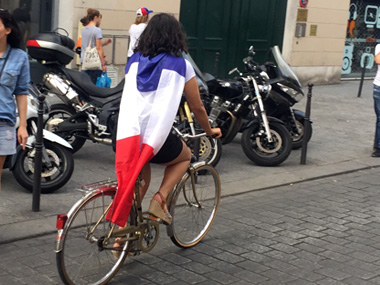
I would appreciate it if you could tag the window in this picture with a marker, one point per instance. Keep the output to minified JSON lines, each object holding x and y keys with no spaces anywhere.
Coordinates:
{"x":32,"y":16}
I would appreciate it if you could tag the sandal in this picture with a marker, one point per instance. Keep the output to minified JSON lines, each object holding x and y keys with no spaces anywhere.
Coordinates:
{"x":116,"y":253}
{"x":157,"y":209}
{"x":120,"y":245}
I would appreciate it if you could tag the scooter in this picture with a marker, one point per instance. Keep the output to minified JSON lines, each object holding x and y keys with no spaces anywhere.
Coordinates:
{"x":57,"y":160}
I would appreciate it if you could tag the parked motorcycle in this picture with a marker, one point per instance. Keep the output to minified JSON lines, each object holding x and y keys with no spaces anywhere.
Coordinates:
{"x":265,"y":140}
{"x":286,"y":91}
{"x":87,"y":112}
{"x":57,"y":160}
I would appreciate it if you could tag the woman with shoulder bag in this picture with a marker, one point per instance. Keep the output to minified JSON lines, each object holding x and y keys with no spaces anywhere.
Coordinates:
{"x":14,"y":82}
{"x":92,"y":37}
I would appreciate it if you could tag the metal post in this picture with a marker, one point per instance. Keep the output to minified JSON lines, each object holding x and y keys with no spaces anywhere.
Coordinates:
{"x":362,"y":78}
{"x":38,"y":156}
{"x":307,"y":126}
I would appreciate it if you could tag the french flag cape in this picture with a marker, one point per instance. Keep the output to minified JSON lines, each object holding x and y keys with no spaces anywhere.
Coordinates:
{"x":151,"y":96}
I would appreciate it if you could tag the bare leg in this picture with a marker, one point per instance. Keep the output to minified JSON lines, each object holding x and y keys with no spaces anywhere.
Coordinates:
{"x":173,"y":173}
{"x":2,"y":159}
{"x":146,"y":176}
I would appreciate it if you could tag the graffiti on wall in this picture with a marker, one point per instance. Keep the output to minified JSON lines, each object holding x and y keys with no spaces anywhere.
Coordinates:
{"x":363,"y":33}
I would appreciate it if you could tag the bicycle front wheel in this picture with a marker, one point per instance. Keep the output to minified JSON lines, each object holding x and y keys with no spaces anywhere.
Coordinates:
{"x":193,"y":205}
{"x":86,"y":256}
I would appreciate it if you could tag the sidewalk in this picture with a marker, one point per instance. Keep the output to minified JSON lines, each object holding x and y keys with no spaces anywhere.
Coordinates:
{"x":343,"y":131}
{"x":319,"y":232}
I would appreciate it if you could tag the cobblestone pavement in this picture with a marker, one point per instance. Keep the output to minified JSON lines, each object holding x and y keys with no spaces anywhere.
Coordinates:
{"x":325,"y":231}
{"x":343,"y":131}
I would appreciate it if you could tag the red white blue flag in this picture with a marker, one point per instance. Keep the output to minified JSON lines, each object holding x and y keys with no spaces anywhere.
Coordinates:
{"x":151,"y":96}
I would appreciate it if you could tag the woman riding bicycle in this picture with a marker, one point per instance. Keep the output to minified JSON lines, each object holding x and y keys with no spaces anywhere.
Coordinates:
{"x":156,"y":76}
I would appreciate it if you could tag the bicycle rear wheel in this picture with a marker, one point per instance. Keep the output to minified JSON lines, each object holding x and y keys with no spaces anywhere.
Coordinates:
{"x":85,"y":258}
{"x":193,"y":205}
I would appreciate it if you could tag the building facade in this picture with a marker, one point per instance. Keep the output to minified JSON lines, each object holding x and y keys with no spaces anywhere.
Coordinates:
{"x":322,"y":40}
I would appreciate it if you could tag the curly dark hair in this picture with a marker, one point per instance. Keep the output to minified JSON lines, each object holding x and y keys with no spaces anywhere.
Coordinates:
{"x":14,"y":39}
{"x":163,"y":34}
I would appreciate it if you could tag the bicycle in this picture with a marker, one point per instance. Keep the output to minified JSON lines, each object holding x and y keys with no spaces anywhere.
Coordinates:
{"x":85,"y":239}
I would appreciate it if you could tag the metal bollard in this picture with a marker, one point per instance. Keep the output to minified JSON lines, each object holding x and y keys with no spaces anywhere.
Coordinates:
{"x":38,"y":156}
{"x":362,"y":78}
{"x":307,"y":126}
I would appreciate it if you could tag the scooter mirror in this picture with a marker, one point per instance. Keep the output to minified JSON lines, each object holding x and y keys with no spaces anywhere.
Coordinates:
{"x":234,"y":70}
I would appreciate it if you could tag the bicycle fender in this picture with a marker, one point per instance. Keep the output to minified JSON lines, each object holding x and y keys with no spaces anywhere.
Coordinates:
{"x":256,"y":122}
{"x":301,"y":114}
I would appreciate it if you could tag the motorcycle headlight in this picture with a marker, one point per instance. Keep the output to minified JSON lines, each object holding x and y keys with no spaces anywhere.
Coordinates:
{"x":297,"y":96}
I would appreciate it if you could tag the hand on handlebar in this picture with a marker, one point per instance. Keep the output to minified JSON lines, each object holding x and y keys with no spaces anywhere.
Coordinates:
{"x":215,"y":133}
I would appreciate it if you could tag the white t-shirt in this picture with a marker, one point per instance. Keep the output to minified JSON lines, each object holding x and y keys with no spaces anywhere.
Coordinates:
{"x":377,"y":78}
{"x":134,"y":33}
{"x":190,"y":73}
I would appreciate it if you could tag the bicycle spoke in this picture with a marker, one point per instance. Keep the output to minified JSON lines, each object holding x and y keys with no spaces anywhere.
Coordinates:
{"x":194,"y":205}
{"x":83,"y":259}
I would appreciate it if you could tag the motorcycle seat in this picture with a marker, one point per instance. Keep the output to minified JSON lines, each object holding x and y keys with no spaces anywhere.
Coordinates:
{"x":83,"y":81}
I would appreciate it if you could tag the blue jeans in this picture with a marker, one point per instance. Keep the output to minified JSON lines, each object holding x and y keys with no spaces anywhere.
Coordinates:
{"x":376,"y":98}
{"x":94,"y":74}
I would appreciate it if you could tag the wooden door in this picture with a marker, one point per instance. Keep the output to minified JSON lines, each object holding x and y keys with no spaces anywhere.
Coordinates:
{"x":230,"y":27}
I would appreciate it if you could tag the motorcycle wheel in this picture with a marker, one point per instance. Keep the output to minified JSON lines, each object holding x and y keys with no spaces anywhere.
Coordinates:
{"x":298,"y":138}
{"x":210,"y":149}
{"x":59,"y":113}
{"x":257,"y":148}
{"x":52,"y":178}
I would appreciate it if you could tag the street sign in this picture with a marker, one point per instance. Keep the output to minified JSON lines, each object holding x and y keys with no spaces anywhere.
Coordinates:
{"x":303,"y":3}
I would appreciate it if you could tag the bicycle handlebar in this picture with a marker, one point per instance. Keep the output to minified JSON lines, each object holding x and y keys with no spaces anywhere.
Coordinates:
{"x":188,"y":136}
{"x":185,"y":136}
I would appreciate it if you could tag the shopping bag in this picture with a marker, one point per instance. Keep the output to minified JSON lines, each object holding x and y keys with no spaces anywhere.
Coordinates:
{"x":91,"y":59}
{"x":103,"y":80}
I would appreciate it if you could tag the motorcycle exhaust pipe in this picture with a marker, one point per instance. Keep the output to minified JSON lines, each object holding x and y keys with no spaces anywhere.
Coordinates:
{"x":106,"y":141}
{"x":103,"y":141}
{"x":60,"y":86}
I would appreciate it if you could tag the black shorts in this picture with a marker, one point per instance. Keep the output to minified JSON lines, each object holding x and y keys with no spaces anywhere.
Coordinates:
{"x":169,"y":151}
